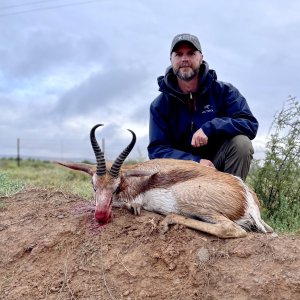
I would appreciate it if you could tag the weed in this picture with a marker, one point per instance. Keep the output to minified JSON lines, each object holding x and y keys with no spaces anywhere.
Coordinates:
{"x":9,"y":186}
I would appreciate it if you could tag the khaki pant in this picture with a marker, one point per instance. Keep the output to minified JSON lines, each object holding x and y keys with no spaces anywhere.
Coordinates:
{"x":235,"y":156}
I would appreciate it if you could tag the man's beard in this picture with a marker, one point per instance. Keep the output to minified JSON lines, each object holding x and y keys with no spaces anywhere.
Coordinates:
{"x":186,"y":76}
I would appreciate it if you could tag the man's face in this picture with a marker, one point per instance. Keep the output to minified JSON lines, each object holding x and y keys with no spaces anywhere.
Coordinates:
{"x":186,"y":61}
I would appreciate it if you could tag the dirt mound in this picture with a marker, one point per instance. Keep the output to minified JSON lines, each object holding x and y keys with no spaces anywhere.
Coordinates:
{"x":51,"y":248}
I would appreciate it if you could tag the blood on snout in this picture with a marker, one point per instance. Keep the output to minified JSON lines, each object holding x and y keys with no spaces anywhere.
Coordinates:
{"x":103,"y":217}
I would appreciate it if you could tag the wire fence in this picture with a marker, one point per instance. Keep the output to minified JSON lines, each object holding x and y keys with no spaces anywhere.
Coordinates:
{"x":53,"y":149}
{"x":64,"y":150}
{"x":43,"y":149}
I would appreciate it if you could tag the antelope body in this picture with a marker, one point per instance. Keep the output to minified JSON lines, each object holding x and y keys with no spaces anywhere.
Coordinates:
{"x":186,"y":192}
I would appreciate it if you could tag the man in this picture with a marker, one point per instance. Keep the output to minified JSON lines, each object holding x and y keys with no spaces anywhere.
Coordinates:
{"x":196,"y":117}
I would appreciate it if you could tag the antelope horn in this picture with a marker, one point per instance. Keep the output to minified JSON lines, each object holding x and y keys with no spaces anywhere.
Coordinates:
{"x":101,"y":167}
{"x":115,"y":168}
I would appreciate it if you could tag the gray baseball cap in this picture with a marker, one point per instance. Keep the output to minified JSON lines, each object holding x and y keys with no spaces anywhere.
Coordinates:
{"x":186,"y":37}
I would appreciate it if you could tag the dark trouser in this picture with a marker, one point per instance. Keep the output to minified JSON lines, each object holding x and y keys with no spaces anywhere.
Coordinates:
{"x":235,"y":156}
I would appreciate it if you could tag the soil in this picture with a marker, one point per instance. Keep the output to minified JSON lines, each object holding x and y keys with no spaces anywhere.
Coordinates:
{"x":51,"y":248}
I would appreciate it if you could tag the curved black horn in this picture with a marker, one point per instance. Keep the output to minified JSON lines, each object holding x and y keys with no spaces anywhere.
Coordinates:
{"x":101,"y":167}
{"x":115,"y":168}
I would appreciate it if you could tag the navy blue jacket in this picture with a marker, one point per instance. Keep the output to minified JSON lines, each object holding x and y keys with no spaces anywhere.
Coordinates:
{"x":217,"y":107}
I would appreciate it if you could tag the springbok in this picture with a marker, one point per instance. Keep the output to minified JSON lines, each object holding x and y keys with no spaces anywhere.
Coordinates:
{"x":185,"y":192}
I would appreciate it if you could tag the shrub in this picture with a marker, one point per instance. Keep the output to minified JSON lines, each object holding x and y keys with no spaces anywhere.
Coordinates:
{"x":277,"y":182}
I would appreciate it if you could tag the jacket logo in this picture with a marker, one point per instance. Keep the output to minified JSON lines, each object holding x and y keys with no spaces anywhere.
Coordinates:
{"x":207,"y":109}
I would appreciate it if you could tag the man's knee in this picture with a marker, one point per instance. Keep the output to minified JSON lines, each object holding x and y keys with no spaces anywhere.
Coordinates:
{"x":242,"y":146}
{"x":235,"y":156}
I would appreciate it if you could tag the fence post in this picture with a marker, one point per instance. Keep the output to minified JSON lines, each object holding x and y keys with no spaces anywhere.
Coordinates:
{"x":18,"y":152}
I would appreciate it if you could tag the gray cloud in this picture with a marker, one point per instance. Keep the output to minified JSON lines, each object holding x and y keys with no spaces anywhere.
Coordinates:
{"x":102,"y":90}
{"x":63,"y":71}
{"x":42,"y":51}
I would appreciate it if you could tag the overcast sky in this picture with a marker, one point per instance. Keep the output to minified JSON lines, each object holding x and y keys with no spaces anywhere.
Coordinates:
{"x":66,"y":65}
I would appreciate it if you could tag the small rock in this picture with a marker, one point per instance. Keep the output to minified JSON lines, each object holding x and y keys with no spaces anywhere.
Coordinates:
{"x":2,"y":227}
{"x":136,"y":234}
{"x":203,"y":254}
{"x":143,"y":294}
{"x":172,"y":266}
{"x":274,"y":235}
{"x":126,"y":293}
{"x":29,"y":268}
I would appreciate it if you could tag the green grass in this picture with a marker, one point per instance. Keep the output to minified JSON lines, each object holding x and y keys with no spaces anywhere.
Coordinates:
{"x":8,"y":187}
{"x":44,"y":174}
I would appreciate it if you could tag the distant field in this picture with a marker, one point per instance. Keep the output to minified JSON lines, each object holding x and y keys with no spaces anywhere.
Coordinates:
{"x":35,"y":173}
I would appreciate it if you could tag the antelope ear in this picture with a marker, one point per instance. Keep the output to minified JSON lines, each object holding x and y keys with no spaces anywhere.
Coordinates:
{"x":90,"y":169}
{"x":139,"y":173}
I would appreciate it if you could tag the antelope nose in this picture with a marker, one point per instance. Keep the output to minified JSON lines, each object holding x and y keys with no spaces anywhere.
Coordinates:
{"x":102,"y":217}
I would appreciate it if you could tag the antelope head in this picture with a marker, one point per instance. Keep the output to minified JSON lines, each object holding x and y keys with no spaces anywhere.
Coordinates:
{"x":105,"y":182}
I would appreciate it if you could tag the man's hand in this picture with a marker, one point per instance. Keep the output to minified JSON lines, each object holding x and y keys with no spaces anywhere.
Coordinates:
{"x":199,"y":138}
{"x":207,"y":163}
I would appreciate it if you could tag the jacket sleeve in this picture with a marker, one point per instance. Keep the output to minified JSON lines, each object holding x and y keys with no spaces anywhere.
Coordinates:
{"x":160,"y":145}
{"x":236,"y":118}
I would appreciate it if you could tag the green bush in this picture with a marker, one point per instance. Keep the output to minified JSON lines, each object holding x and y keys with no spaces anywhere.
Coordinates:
{"x":277,"y":181}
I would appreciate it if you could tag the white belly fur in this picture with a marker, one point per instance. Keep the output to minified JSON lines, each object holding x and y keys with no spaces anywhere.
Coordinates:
{"x":163,"y":202}
{"x":158,"y":200}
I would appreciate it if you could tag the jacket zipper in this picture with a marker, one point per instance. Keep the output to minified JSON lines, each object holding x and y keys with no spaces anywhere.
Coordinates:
{"x":192,"y":114}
